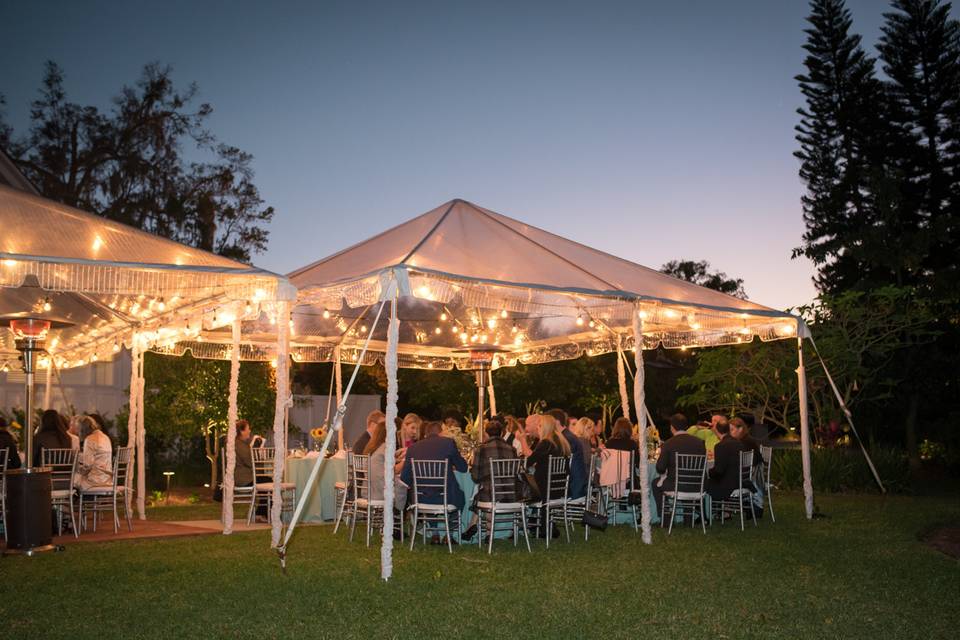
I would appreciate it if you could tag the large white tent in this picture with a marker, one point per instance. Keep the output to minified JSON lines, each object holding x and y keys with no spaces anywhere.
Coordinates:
{"x":461,"y":275}
{"x":118,"y":287}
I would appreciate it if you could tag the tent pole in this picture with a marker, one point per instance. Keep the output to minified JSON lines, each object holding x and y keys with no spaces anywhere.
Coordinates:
{"x":231,"y":445}
{"x":338,"y":374}
{"x":622,"y":380}
{"x":639,"y":399}
{"x":279,"y":412}
{"x":492,"y":393}
{"x":132,"y":415}
{"x":141,"y":442}
{"x":390,"y":446}
{"x":47,"y":388}
{"x":804,"y":428}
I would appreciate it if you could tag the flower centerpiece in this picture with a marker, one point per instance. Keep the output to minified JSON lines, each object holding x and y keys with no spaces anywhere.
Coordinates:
{"x":318,"y":434}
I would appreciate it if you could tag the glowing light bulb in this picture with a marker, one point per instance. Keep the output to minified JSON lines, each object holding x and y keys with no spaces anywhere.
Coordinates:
{"x":363,"y":329}
{"x":248,"y":308}
{"x":643,"y":315}
{"x":438,"y":331}
{"x":116,"y":347}
{"x":326,"y":314}
{"x":443,"y":316}
{"x":503,"y":313}
{"x":46,"y":304}
{"x":579,"y":320}
{"x":592,"y":324}
{"x":161,"y":305}
{"x":492,"y":323}
{"x":454,"y":329}
{"x":515,"y":328}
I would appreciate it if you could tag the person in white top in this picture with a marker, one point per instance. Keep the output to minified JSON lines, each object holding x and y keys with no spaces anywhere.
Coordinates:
{"x":96,"y":467}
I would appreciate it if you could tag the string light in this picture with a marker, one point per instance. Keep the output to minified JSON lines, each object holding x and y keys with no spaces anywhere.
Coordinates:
{"x":592,"y":324}
{"x":161,"y":305}
{"x":438,"y":331}
{"x":326,"y":314}
{"x":363,"y":329}
{"x":580,"y":320}
{"x":46,"y":304}
{"x":443,"y":316}
{"x":503,"y":313}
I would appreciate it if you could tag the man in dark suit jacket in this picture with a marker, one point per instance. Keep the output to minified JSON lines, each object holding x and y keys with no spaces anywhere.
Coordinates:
{"x":373,"y":418}
{"x":724,"y":477}
{"x":578,"y":469}
{"x":433,"y":446}
{"x":679,"y":442}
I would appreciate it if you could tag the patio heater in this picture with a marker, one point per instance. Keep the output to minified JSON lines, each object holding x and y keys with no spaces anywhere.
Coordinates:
{"x":29,"y":507}
{"x":481,"y":361}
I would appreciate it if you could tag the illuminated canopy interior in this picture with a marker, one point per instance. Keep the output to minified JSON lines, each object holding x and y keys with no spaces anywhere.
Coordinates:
{"x":111,"y":281}
{"x":471,"y":276}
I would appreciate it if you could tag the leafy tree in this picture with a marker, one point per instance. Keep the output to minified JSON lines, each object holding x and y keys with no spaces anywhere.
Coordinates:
{"x":128,"y":164}
{"x":187,"y":397}
{"x":700,"y":273}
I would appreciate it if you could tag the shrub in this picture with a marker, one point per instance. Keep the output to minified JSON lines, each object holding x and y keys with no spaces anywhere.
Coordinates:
{"x":836,"y":470}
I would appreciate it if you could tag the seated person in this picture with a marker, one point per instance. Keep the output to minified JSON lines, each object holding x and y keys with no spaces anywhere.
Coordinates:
{"x":435,"y":447}
{"x":724,"y":478}
{"x":495,"y":448}
{"x":8,"y":442}
{"x":243,"y":466}
{"x":680,"y":442}
{"x":96,"y":459}
{"x":530,"y":436}
{"x":740,"y":431}
{"x":409,"y":431}
{"x":52,"y":434}
{"x":373,"y":418}
{"x":621,"y":439}
{"x":551,"y":443}
{"x":377,"y":450}
{"x":578,"y":469}
{"x":704,"y":431}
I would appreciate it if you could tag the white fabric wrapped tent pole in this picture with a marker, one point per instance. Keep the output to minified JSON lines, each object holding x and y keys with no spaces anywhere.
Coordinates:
{"x":231,"y":443}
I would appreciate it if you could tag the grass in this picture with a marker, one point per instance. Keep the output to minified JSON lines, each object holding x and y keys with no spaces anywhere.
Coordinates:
{"x":861,"y":573}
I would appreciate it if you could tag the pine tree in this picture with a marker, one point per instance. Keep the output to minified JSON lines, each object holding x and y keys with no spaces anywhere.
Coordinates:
{"x":839,"y":151}
{"x":920,"y":52}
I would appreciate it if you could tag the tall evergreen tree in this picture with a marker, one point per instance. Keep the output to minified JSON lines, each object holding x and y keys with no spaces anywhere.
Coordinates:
{"x":920,"y":52}
{"x":838,"y":148}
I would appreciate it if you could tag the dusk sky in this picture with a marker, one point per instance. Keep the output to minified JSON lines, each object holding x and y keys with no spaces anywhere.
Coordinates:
{"x":649,"y":130}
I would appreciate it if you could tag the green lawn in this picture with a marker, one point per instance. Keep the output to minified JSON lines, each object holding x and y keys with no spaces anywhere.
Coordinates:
{"x":860,"y":573}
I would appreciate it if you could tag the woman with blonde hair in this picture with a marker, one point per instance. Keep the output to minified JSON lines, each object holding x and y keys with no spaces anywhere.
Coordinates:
{"x":96,"y":459}
{"x":409,"y":431}
{"x":552,"y":443}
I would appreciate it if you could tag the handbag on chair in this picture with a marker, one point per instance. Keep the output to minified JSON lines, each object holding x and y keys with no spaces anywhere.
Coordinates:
{"x":527,"y":489}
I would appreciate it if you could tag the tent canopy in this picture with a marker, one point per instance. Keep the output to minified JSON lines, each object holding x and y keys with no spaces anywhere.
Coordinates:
{"x":111,"y":280}
{"x":469,"y":276}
